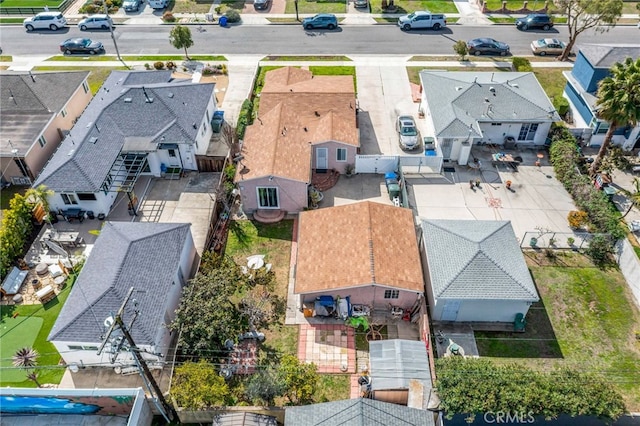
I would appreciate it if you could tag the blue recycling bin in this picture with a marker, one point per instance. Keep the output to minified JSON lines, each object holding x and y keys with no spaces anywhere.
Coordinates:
{"x":223,"y":21}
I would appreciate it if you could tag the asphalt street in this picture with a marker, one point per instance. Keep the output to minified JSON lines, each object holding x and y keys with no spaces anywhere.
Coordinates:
{"x":293,"y":40}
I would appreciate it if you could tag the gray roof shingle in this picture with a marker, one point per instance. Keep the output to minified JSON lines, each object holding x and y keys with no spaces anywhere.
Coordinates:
{"x":141,"y":255}
{"x":357,"y":412}
{"x":476,"y":259}
{"x":27,"y":105}
{"x":605,"y":55}
{"x":119,"y":111}
{"x":459,"y":100}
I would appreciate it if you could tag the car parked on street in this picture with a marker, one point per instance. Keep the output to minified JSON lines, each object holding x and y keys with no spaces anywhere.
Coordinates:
{"x":535,"y":21}
{"x":548,"y":46}
{"x":95,"y":22}
{"x":321,"y":20}
{"x":81,"y":45}
{"x":407,"y":132}
{"x":361,"y":3}
{"x":131,"y":5}
{"x":45,"y":20}
{"x":479,"y":46}
{"x":422,"y":19}
{"x":261,"y":4}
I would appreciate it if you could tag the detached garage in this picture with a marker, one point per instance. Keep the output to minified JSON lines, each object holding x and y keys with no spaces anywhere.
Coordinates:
{"x":475,"y":271}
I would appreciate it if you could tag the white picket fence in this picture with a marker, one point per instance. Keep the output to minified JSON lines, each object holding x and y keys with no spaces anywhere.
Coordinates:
{"x":381,"y":164}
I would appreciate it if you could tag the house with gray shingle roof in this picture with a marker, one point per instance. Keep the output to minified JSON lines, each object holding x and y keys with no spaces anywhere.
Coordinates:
{"x":156,"y":259}
{"x":463,"y":108}
{"x":139,"y":123}
{"x":36,"y":109}
{"x":593,"y":63}
{"x":357,"y":412}
{"x":475,"y":271}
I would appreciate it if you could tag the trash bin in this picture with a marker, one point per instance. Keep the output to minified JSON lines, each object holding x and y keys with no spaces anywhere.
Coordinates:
{"x":223,"y":21}
{"x":217,"y":121}
{"x":90,"y":215}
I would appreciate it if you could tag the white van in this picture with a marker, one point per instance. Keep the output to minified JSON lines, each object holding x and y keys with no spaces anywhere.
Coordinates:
{"x":422,"y":20}
{"x":158,"y":4}
{"x":45,"y":20}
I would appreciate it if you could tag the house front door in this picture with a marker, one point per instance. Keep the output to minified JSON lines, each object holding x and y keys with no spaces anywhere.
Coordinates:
{"x":450,"y":311}
{"x":446,"y":146}
{"x":322,"y":158}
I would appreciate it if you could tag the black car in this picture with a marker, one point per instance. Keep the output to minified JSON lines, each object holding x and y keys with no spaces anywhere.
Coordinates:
{"x":261,"y":4}
{"x":478,"y":46}
{"x":535,"y":20}
{"x":81,"y":45}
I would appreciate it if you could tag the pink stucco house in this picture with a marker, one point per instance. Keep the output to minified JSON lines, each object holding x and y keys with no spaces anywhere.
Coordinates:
{"x":36,"y":110}
{"x":305,"y":124}
{"x":368,"y":251}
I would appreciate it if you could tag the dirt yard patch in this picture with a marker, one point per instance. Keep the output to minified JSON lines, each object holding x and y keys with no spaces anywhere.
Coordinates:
{"x":221,"y":81}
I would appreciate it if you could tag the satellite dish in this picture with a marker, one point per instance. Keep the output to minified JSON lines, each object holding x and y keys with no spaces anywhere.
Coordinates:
{"x":108,"y":322}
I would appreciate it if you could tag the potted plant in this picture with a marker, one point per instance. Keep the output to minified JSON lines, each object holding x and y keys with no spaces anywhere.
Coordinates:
{"x":552,"y":241}
{"x":315,"y":196}
{"x":350,"y":170}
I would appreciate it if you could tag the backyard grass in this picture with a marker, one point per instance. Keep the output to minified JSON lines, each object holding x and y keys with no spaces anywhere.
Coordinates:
{"x":317,"y":6}
{"x":247,"y":238}
{"x":586,"y":320}
{"x":332,"y":387}
{"x":408,"y":6}
{"x":15,"y":335}
{"x":108,"y":58}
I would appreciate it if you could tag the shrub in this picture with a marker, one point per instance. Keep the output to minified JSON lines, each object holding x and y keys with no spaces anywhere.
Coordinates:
{"x":244,"y":118}
{"x":561,"y":105}
{"x":461,"y":49}
{"x":168,"y":17}
{"x":577,"y":219}
{"x":147,"y":66}
{"x":600,"y":250}
{"x":171,"y":65}
{"x":218,"y":9}
{"x":522,"y":64}
{"x":158,"y":65}
{"x":232,"y":15}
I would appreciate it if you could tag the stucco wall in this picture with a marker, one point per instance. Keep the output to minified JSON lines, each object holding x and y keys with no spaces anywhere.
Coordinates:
{"x":368,"y":295}
{"x":102,"y":204}
{"x":483,"y":310}
{"x":332,"y":149}
{"x":292,"y":195}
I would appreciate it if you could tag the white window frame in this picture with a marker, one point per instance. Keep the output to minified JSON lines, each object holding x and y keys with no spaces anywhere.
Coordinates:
{"x":268,"y":188}
{"x":338,"y":151}
{"x":392,"y":294}
{"x":69,"y":199}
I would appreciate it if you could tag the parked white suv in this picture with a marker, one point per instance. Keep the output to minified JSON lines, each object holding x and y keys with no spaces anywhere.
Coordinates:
{"x":422,"y":20}
{"x":45,"y":20}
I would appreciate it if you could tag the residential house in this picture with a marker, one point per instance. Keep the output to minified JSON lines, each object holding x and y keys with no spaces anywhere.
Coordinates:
{"x":366,"y":250}
{"x":143,"y":122}
{"x":157,"y":260}
{"x":592,"y":64}
{"x":36,"y":109}
{"x":305,"y":124}
{"x":475,"y":271}
{"x":400,"y":372}
{"x":357,"y":412}
{"x":466,"y":108}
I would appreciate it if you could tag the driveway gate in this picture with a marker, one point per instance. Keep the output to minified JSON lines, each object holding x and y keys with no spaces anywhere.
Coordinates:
{"x":380,"y":164}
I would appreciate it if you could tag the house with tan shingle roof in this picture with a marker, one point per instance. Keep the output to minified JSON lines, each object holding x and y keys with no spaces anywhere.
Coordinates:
{"x":475,"y":271}
{"x":305,"y":124}
{"x":368,"y":251}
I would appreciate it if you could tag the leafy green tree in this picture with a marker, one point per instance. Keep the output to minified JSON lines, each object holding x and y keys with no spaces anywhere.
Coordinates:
{"x":298,"y":378}
{"x":264,"y":387}
{"x":207,"y":315}
{"x":197,"y":386}
{"x":16,"y":227}
{"x":470,"y":386}
{"x":585,"y":14}
{"x":461,"y":49}
{"x":618,"y":100}
{"x":180,"y":38}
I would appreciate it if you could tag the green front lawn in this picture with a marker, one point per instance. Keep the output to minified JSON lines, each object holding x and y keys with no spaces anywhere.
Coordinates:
{"x":188,"y":6}
{"x":316,"y":6}
{"x":150,"y":58}
{"x":307,"y":58}
{"x":552,"y":80}
{"x":518,"y":4}
{"x":586,"y":319}
{"x":408,"y":6}
{"x":11,"y":20}
{"x":30,"y":3}
{"x":49,"y":370}
{"x":337,"y":70}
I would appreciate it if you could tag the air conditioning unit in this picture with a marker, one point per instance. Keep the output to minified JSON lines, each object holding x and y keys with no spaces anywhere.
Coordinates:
{"x":21,"y":180}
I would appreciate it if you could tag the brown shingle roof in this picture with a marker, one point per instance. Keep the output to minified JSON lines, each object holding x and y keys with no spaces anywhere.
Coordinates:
{"x":357,"y":244}
{"x":297,"y":111}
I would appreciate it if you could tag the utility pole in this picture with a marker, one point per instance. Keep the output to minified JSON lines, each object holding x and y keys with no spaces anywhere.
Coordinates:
{"x":106,"y":12}
{"x":168,"y":412}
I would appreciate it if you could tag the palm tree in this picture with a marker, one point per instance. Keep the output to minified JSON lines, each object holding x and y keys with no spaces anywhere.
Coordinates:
{"x":618,"y":100}
{"x":634,"y":197}
{"x":27,"y":358}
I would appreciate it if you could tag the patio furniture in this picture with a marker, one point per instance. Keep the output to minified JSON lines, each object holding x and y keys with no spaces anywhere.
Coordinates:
{"x":55,"y":271}
{"x":255,"y":262}
{"x":634,"y":226}
{"x":45,"y":294}
{"x":42,"y":269}
{"x":73,"y":213}
{"x":63,"y":238}
{"x":13,"y":281}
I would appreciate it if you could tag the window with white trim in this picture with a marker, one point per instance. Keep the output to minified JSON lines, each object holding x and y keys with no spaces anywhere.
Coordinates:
{"x":341,"y":154}
{"x":268,"y":198}
{"x":42,"y":141}
{"x":69,"y":199}
{"x":528,"y":131}
{"x":391,"y":294}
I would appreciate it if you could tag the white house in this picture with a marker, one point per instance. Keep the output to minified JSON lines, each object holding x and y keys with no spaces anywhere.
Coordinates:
{"x":475,"y":271}
{"x":466,"y":108}
{"x":143,"y":122}
{"x":593,"y":63}
{"x":157,"y":260}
